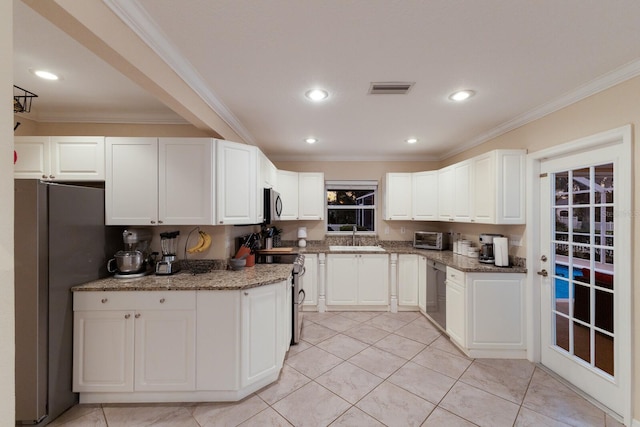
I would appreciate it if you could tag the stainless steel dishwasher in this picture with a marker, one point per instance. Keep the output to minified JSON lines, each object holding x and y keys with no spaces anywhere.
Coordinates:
{"x":437,"y":293}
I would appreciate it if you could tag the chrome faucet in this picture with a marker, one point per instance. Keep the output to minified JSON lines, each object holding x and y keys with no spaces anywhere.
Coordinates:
{"x":353,"y":237}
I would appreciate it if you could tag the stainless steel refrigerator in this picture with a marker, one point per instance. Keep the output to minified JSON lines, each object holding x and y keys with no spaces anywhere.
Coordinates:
{"x":60,"y":241}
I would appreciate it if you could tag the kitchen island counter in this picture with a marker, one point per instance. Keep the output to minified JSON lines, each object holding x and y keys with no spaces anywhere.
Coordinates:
{"x":249,"y":277}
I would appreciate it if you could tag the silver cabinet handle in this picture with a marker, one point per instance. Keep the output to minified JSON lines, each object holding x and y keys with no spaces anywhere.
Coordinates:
{"x":160,"y":222}
{"x":137,"y":315}
{"x":44,"y":176}
{"x":126,"y":316}
{"x":153,"y":222}
{"x":52,"y":176}
{"x":104,"y":300}
{"x":246,"y":293}
{"x":162,"y":300}
{"x":543,"y":273}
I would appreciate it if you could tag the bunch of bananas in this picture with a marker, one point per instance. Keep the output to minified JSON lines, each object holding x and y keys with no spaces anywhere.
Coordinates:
{"x":204,"y":241}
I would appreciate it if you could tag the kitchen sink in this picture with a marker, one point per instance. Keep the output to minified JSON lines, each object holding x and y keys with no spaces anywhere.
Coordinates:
{"x":357,"y":248}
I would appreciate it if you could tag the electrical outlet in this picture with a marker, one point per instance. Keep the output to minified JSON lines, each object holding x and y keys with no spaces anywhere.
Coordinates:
{"x":386,"y":230}
{"x":515,"y":241}
{"x":402,"y":230}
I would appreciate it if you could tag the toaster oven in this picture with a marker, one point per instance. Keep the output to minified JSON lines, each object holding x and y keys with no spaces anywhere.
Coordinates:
{"x":431,"y":240}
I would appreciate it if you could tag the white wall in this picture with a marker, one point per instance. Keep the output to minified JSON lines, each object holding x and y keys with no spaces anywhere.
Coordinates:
{"x":7,"y":346}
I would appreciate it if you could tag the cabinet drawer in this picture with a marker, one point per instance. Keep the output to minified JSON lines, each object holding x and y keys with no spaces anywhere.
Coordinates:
{"x":456,"y":276}
{"x":134,"y":300}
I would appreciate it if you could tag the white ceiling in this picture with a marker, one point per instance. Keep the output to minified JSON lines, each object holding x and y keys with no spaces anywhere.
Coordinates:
{"x":523,"y":58}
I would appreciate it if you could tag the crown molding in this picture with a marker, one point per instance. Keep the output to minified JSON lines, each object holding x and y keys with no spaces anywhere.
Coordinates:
{"x":101,"y":117}
{"x":603,"y":82}
{"x":350,"y":158}
{"x":139,"y":21}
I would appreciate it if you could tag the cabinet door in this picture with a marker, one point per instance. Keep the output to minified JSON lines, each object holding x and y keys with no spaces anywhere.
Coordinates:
{"x":288,"y":189}
{"x":456,"y":312}
{"x":398,"y":195}
{"x":462,"y":201}
{"x":342,"y":279}
{"x":260,"y":346}
{"x":425,"y":196}
{"x":236,"y":176}
{"x":422,"y":283}
{"x":103,"y":351}
{"x":310,"y":280}
{"x":408,"y":280}
{"x":510,"y":182}
{"x":311,"y":195}
{"x":484,"y":188}
{"x":185,"y":181}
{"x":446,"y":194}
{"x":131,"y":186}
{"x":165,"y":350}
{"x":32,"y":154}
{"x":77,"y":158}
{"x":373,"y":279}
{"x":496,"y":319}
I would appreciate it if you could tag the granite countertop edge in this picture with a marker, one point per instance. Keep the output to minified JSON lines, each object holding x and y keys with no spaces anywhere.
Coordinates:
{"x":216,"y":280}
{"x":459,"y":262}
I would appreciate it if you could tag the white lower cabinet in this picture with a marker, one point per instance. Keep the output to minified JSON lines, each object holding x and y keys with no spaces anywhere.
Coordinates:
{"x":408,"y":280}
{"x":358,"y":279}
{"x":261,"y":331}
{"x":422,"y":283}
{"x":134,"y":341}
{"x":144,"y":346}
{"x":486,"y":313}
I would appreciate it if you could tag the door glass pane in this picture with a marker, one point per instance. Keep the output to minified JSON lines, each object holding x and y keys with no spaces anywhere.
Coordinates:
{"x":581,"y":186}
{"x":604,"y":352}
{"x":582,"y":341}
{"x":583,"y":280}
{"x":562,"y":332}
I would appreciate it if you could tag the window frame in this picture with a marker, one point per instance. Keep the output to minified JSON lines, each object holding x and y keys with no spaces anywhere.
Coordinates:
{"x":351,"y":185}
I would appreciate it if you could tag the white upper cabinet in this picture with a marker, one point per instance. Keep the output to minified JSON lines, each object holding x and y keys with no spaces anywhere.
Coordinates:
{"x":131,"y":186}
{"x":268,"y":171}
{"x":462,"y":197}
{"x":288,"y":188}
{"x":311,"y":199}
{"x":397,"y":196}
{"x":237,"y":183}
{"x":152,"y":181}
{"x":425,"y":196}
{"x":60,"y":158}
{"x":186,"y":181}
{"x":499,"y":187}
{"x":487,"y":189}
{"x":446,"y":196}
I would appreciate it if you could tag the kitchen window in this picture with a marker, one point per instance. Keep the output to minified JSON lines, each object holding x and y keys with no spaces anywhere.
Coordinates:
{"x":349,"y":204}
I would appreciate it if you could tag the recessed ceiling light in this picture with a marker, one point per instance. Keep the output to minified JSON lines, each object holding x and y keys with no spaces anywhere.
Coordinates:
{"x":316,"y":94}
{"x":461,"y":95}
{"x":310,"y":140}
{"x":412,"y":140}
{"x":45,"y":75}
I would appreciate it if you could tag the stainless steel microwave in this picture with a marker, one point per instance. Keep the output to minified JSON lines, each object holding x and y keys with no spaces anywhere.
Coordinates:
{"x":431,"y":240}
{"x":272,"y":205}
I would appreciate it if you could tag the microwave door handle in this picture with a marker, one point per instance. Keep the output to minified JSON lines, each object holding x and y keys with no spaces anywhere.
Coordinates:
{"x":278,"y":206}
{"x":301,"y":298}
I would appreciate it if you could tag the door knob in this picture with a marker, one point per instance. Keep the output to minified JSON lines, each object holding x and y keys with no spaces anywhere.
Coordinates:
{"x":543,"y":273}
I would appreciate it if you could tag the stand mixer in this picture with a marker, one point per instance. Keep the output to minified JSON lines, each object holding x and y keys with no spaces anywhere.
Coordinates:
{"x":135,"y":260}
{"x":169,"y":263}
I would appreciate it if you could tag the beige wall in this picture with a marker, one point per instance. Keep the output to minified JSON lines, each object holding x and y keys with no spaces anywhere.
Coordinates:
{"x":7,"y":340}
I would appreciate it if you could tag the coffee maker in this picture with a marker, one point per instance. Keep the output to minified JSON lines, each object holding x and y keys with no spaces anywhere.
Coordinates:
{"x":169,"y":263}
{"x":487,"y":255}
{"x":134,"y":260}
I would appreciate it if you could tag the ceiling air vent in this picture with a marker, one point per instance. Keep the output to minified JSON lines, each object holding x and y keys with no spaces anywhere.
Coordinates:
{"x":390,"y":88}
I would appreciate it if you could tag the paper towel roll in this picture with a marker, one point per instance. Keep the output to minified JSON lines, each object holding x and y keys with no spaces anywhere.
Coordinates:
{"x":501,"y":251}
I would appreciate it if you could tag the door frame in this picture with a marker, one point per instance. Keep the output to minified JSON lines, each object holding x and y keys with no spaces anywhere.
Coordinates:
{"x":621,"y":135}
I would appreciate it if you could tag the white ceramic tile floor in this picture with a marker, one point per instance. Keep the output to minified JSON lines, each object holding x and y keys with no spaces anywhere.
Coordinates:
{"x":374,"y":369}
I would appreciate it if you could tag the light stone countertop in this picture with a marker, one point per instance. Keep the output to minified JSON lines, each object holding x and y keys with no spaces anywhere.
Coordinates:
{"x":459,"y":262}
{"x":249,"y":277}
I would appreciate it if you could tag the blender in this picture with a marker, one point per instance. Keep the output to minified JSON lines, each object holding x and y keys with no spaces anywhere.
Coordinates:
{"x":169,"y":264}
